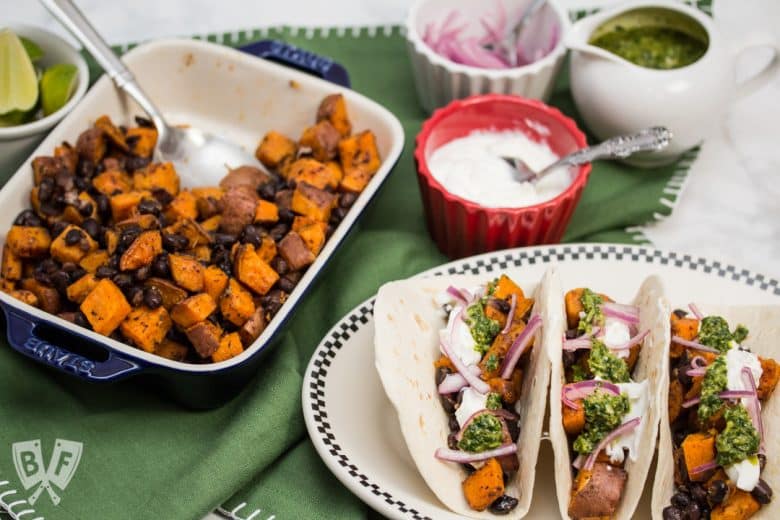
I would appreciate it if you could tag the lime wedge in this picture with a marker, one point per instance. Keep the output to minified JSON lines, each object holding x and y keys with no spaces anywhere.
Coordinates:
{"x":33,"y":50}
{"x":57,"y":85}
{"x":18,"y":83}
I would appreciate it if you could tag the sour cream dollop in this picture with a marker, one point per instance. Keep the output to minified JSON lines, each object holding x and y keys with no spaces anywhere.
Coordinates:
{"x":637,"y":400}
{"x":471,"y":167}
{"x":471,"y":402}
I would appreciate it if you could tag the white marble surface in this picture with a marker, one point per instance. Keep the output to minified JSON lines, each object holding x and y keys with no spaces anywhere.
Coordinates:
{"x":729,"y":208}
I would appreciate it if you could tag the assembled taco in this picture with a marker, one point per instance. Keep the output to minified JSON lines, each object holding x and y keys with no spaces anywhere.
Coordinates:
{"x":608,"y":360}
{"x":460,"y":358}
{"x":718,"y":448}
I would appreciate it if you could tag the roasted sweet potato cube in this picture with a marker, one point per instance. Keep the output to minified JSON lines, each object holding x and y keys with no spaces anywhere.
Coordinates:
{"x":28,"y":241}
{"x":300,"y":222}
{"x":142,"y":251}
{"x":359,"y":160}
{"x":686,"y":328}
{"x":187,"y":272}
{"x":182,"y":206}
{"x":112,"y":182}
{"x":294,"y":251}
{"x":266,"y":212}
{"x":253,"y":327}
{"x":215,"y":282}
{"x":201,"y":253}
{"x":698,"y":448}
{"x":146,"y":328}
{"x":60,"y":250}
{"x":205,"y":337}
{"x":12,"y":265}
{"x":674,"y":405}
{"x":505,"y":288}
{"x":313,"y":236}
{"x":113,"y":133}
{"x":7,"y":285}
{"x":91,"y":145}
{"x":207,"y":201}
{"x":313,"y":202}
{"x":196,"y":308}
{"x":334,"y":109}
{"x":238,"y":205}
{"x":236,"y":304}
{"x":143,"y":221}
{"x":105,"y":307}
{"x":267,"y":249}
{"x":573,"y":420}
{"x":208,"y":192}
{"x":211,"y":224}
{"x":68,"y":156}
{"x":484,"y":486}
{"x":252,"y":271}
{"x":123,"y":205}
{"x":25,"y":296}
{"x":48,"y":297}
{"x":45,"y":166}
{"x":738,"y":505}
{"x":245,"y":176}
{"x":322,"y":139}
{"x":310,"y":171}
{"x":770,"y":372}
{"x":275,"y":148}
{"x":170,"y":349}
{"x":157,"y":176}
{"x":283,"y":199}
{"x":335,"y":174}
{"x":171,"y":293}
{"x":79,"y":289}
{"x":597,"y":492}
{"x":194,"y":232}
{"x":229,"y":346}
{"x":73,"y":214}
{"x":142,"y":140}
{"x":93,"y":260}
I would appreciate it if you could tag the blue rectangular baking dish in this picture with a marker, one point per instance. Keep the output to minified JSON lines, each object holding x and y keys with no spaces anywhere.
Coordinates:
{"x":231,"y":93}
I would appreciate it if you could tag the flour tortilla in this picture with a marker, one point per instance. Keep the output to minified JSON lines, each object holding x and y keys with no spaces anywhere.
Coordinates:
{"x":652,"y":365}
{"x":407,"y":323}
{"x":763,"y":321}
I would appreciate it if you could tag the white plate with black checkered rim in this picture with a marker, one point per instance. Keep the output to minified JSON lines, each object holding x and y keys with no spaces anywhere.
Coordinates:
{"x":353,"y":425}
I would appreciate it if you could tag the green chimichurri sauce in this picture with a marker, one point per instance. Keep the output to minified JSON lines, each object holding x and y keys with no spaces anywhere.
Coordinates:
{"x":652,"y":47}
{"x":484,"y":433}
{"x":603,"y":413}
{"x":739,"y":439}
{"x":715,"y":381}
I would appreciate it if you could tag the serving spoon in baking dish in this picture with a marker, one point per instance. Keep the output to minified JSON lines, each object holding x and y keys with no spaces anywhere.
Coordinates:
{"x":618,"y":147}
{"x":197,"y":155}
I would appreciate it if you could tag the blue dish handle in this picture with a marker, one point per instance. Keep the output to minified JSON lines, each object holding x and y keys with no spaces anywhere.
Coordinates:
{"x":23,"y":338}
{"x":306,"y":61}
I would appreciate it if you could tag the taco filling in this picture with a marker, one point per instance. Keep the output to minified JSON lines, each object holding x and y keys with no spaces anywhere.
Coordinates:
{"x":602,"y":406}
{"x":484,"y":347}
{"x":716,"y":390}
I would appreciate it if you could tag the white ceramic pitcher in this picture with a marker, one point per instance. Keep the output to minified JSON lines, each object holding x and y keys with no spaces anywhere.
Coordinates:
{"x":615,"y":96}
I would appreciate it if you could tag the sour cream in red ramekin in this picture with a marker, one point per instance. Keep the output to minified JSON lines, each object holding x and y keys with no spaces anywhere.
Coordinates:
{"x":472,"y":168}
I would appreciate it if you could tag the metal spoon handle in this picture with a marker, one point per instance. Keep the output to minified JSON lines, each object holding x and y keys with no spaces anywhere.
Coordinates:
{"x":620,"y":147}
{"x":72,"y":18}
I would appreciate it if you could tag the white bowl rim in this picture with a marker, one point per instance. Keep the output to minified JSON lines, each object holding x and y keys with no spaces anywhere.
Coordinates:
{"x":41,"y":125}
{"x":413,"y":36}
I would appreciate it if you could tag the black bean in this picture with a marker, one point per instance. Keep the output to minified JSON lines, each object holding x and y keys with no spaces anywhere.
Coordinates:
{"x":717,"y":492}
{"x":286,"y":284}
{"x":452,"y":442}
{"x":73,"y":237}
{"x":135,"y":295}
{"x":682,"y":377}
{"x":48,"y":266}
{"x":174,"y":242}
{"x":60,"y":280}
{"x":28,"y":218}
{"x":692,"y":512}
{"x":42,"y":277}
{"x":441,"y":373}
{"x":152,"y":297}
{"x":113,"y":262}
{"x":514,"y":429}
{"x":86,"y":168}
{"x":76,"y":274}
{"x":761,"y":461}
{"x":698,"y":493}
{"x":286,"y":215}
{"x":279,"y":265}
{"x":46,"y":189}
{"x":680,"y":313}
{"x":123,"y":280}
{"x":762,"y":492}
{"x":337,"y":215}
{"x":251,"y":235}
{"x":162,"y":196}
{"x":144,"y":122}
{"x":103,"y":206}
{"x":58,"y":227}
{"x":149,"y":207}
{"x":279,"y":231}
{"x":80,"y":183}
{"x":86,"y":209}
{"x":81,"y":320}
{"x":290,"y":184}
{"x":672,"y":513}
{"x":92,"y":227}
{"x":680,"y":500}
{"x":346,"y":200}
{"x":503,"y":505}
{"x":678,"y":437}
{"x":223,"y":239}
{"x":127,"y":237}
{"x":267,"y":191}
{"x":133,"y":163}
{"x":453,"y":423}
{"x":69,"y":267}
{"x":142,"y":273}
{"x":160,"y":266}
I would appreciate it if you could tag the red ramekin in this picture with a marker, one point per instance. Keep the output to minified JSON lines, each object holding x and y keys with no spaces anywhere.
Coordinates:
{"x":463,"y":228}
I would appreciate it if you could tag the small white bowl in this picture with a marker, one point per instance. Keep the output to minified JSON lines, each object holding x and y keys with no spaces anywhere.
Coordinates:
{"x":439,"y":80}
{"x":16,"y":142}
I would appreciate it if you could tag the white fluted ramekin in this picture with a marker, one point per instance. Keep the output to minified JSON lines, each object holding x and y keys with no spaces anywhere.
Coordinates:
{"x":439,"y":80}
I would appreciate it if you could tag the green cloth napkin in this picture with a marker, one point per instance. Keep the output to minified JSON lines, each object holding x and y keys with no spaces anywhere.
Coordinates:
{"x":144,"y":457}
